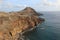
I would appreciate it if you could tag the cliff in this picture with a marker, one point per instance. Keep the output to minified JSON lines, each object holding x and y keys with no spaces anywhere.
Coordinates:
{"x":12,"y":24}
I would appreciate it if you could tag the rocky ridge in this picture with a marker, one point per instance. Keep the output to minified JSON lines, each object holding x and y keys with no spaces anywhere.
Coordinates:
{"x":12,"y":24}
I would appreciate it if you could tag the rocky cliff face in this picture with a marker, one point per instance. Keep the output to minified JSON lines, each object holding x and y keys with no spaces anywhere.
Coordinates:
{"x":13,"y":24}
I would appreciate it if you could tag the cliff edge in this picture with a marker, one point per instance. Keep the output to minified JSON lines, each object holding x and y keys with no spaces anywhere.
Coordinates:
{"x":12,"y":24}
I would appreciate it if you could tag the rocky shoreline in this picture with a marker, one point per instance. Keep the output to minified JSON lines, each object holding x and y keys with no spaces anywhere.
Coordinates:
{"x":14,"y":24}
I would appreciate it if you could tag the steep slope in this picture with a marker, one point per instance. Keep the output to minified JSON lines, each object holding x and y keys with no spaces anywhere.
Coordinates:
{"x":12,"y":24}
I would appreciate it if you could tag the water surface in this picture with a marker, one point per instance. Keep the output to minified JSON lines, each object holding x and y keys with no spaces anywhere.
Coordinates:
{"x":49,"y":30}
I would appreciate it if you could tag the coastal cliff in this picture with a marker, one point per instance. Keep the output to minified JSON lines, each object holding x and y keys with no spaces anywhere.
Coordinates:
{"x":13,"y":24}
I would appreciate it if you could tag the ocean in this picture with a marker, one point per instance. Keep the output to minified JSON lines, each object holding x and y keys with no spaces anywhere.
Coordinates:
{"x":48,"y":30}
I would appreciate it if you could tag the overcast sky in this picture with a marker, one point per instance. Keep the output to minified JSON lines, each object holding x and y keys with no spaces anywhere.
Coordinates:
{"x":40,"y":5}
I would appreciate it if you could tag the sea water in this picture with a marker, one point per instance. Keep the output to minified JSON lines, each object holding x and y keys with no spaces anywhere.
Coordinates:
{"x":48,"y":30}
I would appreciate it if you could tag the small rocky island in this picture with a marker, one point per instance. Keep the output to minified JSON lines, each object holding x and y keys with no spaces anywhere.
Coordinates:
{"x":15,"y":24}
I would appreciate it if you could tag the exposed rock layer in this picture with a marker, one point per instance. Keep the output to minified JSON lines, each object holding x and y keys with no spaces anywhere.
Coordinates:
{"x":12,"y":24}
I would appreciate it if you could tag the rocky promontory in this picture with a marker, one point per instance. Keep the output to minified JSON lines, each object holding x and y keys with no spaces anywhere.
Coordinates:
{"x":13,"y":24}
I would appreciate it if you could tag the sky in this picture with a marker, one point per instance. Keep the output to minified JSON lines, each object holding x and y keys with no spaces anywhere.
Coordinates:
{"x":39,"y":5}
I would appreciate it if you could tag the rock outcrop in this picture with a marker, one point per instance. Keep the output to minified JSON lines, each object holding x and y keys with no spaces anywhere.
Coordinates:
{"x":13,"y":24}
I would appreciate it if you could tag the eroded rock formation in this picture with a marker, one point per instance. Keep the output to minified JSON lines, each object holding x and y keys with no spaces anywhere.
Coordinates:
{"x":12,"y":24}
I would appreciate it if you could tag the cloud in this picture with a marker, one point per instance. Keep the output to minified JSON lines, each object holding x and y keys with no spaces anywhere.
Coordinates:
{"x":11,"y":5}
{"x":1,"y":1}
{"x":20,"y":6}
{"x":55,"y":4}
{"x":52,"y":3}
{"x":49,"y":5}
{"x":8,"y":6}
{"x":41,"y":4}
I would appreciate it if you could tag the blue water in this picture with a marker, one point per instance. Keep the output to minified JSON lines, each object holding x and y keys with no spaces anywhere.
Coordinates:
{"x":49,"y":30}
